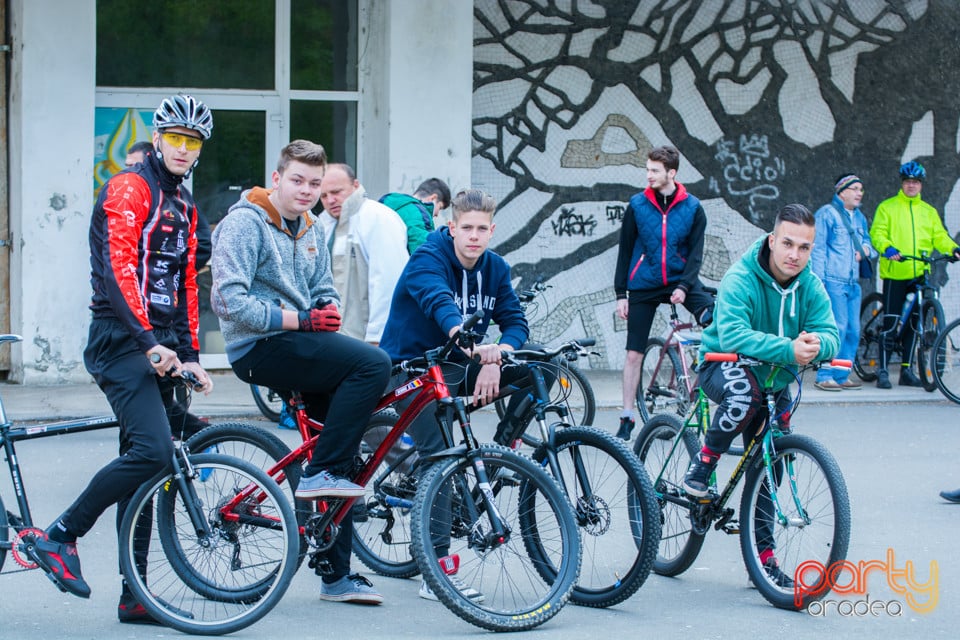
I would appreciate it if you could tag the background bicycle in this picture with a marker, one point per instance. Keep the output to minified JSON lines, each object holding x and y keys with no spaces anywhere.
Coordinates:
{"x":945,"y":356}
{"x":268,"y":401}
{"x":572,"y":387}
{"x":922,"y":310}
{"x":794,"y":504}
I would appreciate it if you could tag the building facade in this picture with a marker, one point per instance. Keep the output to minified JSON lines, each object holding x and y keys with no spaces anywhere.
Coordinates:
{"x":551,"y":107}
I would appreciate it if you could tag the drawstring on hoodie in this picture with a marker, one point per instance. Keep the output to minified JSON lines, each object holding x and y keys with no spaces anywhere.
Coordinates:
{"x":465,"y":290}
{"x":792,"y":291}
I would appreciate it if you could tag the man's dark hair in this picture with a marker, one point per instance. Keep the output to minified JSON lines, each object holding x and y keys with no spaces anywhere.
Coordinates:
{"x":666,"y":154}
{"x":144,"y":147}
{"x":795,"y":214}
{"x":434,"y":187}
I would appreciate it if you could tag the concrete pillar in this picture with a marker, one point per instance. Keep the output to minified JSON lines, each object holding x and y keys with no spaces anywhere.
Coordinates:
{"x":416,"y":99}
{"x":52,"y":91}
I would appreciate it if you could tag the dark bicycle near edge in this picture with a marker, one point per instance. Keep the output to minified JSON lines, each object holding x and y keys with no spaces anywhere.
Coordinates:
{"x":923,"y":311}
{"x":197,"y":557}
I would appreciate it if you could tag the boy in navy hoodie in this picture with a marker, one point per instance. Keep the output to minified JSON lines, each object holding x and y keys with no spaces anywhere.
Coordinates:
{"x":450,"y":277}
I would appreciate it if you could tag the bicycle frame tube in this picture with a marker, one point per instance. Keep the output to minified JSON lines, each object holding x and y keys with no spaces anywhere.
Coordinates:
{"x":10,"y":435}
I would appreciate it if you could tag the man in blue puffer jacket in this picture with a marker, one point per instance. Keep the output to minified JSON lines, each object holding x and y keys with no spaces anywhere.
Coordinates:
{"x":661,"y":249}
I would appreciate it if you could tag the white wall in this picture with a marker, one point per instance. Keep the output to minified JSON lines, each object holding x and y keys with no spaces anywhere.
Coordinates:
{"x":51,"y":172}
{"x":416,"y":94}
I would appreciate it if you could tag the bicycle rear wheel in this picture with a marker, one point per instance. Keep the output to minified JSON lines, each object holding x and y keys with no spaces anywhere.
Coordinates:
{"x":867,"y":359}
{"x":666,"y":464}
{"x":450,"y":509}
{"x":268,"y":401}
{"x":224,"y":579}
{"x":815,"y":530}
{"x":946,"y":358}
{"x":660,"y":390}
{"x":931,"y":323}
{"x":381,"y":521}
{"x":615,"y":508}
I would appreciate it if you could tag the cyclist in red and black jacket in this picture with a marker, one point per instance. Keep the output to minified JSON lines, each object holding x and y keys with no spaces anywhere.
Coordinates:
{"x":661,"y":250}
{"x":144,"y":327}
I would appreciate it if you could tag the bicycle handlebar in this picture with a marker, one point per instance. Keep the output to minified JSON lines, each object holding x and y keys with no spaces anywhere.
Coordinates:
{"x":189,"y":380}
{"x":947,"y":257}
{"x":573,"y":347}
{"x":835,"y":363}
{"x":465,"y":337}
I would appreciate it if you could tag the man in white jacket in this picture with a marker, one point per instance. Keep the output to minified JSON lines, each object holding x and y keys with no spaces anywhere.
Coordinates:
{"x":368,"y":244}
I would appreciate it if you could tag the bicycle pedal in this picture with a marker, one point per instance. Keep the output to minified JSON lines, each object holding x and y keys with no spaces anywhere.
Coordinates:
{"x":731,"y":528}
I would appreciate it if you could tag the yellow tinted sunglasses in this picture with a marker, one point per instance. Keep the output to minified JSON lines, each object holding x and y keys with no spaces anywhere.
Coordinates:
{"x":176,"y":140}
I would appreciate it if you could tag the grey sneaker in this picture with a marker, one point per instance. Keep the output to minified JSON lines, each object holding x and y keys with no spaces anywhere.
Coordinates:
{"x":353,"y":588}
{"x":427,"y":593}
{"x":327,"y":485}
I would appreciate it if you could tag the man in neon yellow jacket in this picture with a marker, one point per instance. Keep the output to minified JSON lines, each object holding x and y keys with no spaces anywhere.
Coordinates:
{"x":905,"y":223}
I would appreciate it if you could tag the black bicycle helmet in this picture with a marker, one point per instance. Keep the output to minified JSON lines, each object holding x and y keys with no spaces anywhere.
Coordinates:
{"x":184,"y":111}
{"x":912,"y":171}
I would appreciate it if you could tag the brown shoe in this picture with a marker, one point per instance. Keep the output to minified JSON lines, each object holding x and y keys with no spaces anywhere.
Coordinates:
{"x":852,"y":384}
{"x":828,"y":385}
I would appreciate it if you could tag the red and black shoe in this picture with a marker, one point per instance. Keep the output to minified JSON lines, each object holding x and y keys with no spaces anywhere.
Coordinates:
{"x":129,"y":611}
{"x":62,"y":565}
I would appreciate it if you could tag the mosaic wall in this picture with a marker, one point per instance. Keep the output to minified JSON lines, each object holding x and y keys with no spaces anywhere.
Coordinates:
{"x":767,"y":102}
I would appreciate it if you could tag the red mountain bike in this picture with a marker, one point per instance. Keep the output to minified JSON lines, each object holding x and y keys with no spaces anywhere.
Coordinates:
{"x":513,"y":533}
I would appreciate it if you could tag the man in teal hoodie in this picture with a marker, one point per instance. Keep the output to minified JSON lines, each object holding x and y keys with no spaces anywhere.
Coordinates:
{"x":770,"y":306}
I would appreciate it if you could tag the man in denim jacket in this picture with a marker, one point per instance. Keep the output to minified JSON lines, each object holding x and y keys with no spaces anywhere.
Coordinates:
{"x":842,"y":243}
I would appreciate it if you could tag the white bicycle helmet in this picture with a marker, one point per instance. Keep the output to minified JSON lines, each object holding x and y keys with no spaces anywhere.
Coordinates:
{"x":184,"y":111}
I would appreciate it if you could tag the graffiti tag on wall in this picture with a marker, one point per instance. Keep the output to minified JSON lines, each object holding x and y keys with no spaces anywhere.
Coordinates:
{"x":749,"y":170}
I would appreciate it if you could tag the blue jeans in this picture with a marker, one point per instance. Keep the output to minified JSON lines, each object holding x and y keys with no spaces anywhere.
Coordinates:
{"x":845,"y":302}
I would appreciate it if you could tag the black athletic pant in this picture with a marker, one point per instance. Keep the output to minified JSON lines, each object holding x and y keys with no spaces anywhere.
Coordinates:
{"x":138,"y":398}
{"x":350,"y":375}
{"x":741,"y":409}
{"x":643,"y":308}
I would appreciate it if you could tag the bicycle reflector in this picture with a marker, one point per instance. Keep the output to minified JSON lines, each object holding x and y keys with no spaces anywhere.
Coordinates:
{"x":450,"y":564}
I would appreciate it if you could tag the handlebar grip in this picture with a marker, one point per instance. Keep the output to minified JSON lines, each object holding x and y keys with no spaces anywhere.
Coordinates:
{"x":720,"y":357}
{"x":473,"y":320}
{"x":841,"y":364}
{"x":587,"y":342}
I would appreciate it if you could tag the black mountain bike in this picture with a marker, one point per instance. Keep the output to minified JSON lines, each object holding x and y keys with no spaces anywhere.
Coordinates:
{"x":208,"y":546}
{"x":924,"y":312}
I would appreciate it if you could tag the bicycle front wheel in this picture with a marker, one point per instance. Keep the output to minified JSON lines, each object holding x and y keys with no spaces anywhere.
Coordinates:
{"x":660,"y":390}
{"x":946,"y":358}
{"x":931,"y":323}
{"x":459,"y":543}
{"x":787,"y":551}
{"x":381,"y":522}
{"x":666,"y":449}
{"x":867,"y":359}
{"x":616,"y":510}
{"x":222,"y":579}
